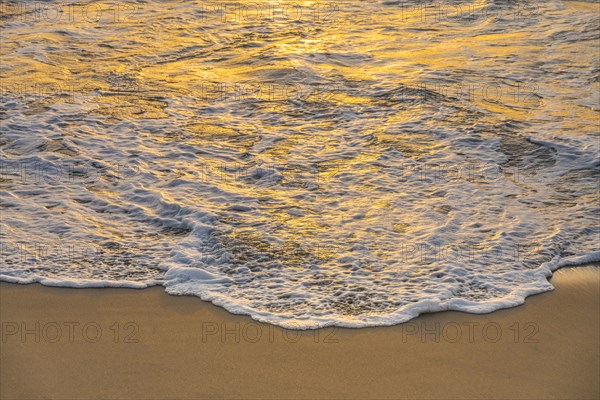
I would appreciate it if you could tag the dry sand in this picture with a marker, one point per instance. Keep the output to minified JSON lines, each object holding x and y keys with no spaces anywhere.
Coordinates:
{"x":156,"y":346}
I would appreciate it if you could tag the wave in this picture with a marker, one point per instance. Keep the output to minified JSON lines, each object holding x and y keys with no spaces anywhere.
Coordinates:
{"x":194,"y":282}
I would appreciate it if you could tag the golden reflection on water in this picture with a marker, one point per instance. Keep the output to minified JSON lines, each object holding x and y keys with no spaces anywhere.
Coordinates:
{"x":326,"y":106}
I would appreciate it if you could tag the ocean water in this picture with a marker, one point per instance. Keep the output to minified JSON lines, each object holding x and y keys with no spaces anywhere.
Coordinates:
{"x":309,"y":163}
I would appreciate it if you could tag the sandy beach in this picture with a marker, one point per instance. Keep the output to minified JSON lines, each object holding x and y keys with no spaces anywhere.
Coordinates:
{"x":60,"y":343}
{"x":308,"y":164}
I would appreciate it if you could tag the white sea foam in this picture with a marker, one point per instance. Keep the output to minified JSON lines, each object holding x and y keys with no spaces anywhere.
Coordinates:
{"x":196,"y":282}
{"x":73,"y":282}
{"x":524,"y":284}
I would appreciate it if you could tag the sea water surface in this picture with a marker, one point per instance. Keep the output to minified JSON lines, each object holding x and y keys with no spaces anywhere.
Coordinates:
{"x":306,"y":163}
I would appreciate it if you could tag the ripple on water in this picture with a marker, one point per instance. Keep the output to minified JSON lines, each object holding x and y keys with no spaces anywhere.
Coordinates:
{"x":355,"y":168}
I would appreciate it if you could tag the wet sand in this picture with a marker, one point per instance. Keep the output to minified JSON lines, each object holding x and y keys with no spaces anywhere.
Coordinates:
{"x":60,"y":343}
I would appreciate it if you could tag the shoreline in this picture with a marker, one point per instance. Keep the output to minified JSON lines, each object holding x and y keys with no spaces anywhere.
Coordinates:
{"x":131,"y":343}
{"x":584,"y":260}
